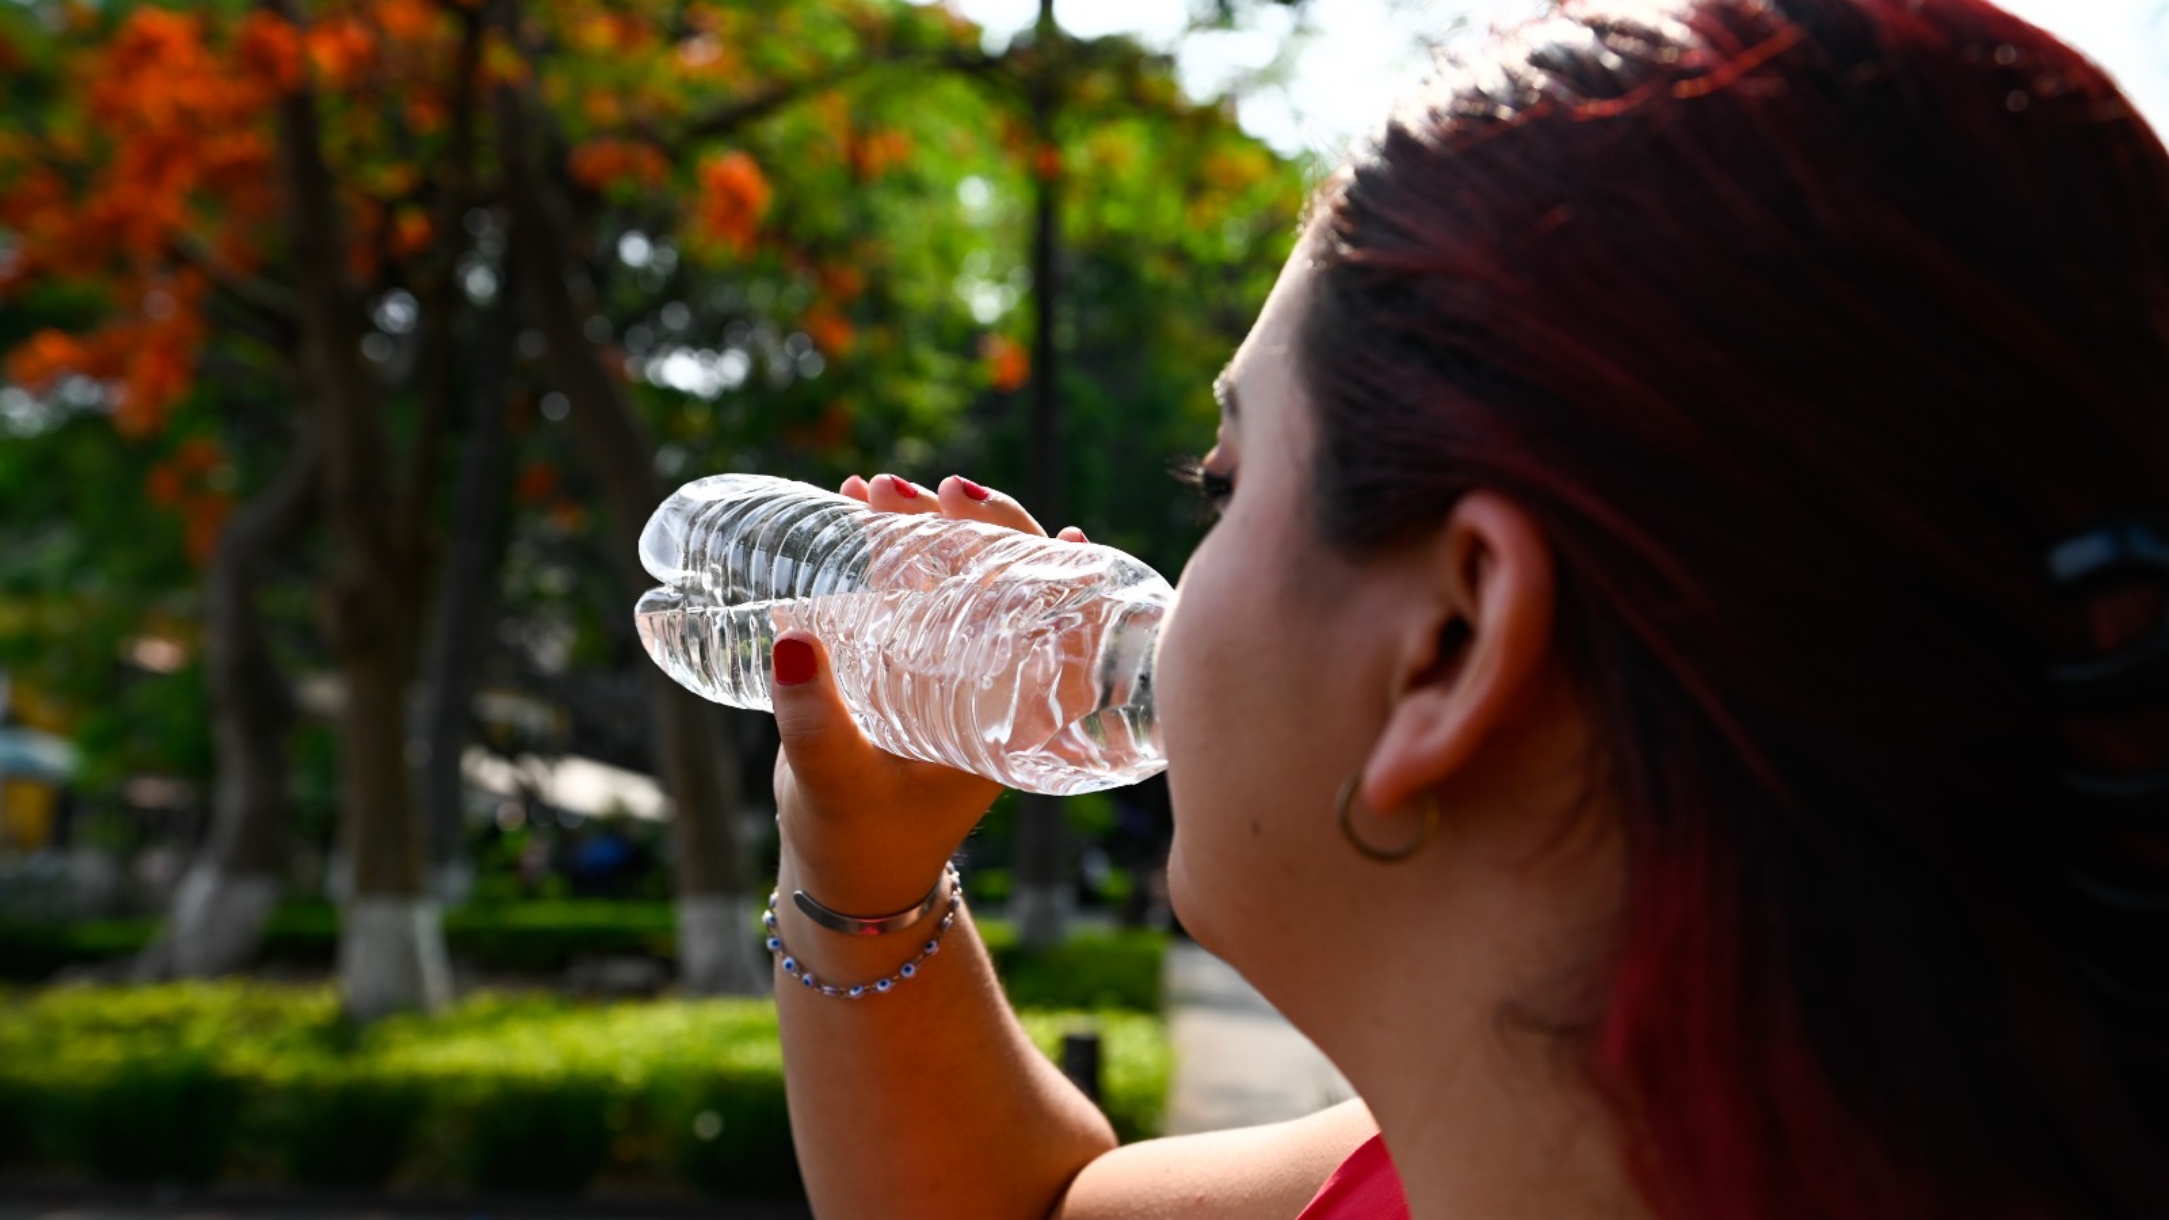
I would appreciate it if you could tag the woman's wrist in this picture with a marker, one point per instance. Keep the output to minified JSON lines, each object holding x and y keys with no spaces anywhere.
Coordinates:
{"x":874,"y":925}
{"x":861,"y":879}
{"x":840,"y":957}
{"x":949,"y":892}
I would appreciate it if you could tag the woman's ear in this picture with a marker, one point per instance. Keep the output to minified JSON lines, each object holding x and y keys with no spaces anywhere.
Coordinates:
{"x":1474,"y":647}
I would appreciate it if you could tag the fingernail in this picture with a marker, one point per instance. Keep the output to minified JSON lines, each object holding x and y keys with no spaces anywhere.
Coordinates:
{"x":1080,"y":535}
{"x":974,"y":490}
{"x":794,"y":662}
{"x":903,"y":487}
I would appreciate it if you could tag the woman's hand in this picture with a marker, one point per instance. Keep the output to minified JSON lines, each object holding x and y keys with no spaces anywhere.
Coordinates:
{"x":869,"y":831}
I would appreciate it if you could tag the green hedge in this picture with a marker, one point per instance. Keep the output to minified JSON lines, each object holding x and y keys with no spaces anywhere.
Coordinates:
{"x":31,"y":950}
{"x":1120,"y":968}
{"x":269,"y":1084}
{"x":540,"y":936}
{"x":1095,"y":969}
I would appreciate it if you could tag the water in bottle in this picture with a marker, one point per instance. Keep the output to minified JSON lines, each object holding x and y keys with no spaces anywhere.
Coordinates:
{"x":1021,"y":658}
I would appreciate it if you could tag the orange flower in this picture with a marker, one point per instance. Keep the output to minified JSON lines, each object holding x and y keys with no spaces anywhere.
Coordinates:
{"x":830,"y":330}
{"x":602,"y":110}
{"x":165,"y":485}
{"x":269,"y":49}
{"x":425,"y":114}
{"x":152,"y":38}
{"x":187,"y":483}
{"x":199,"y":455}
{"x":34,"y":200}
{"x":600,"y":164}
{"x":407,"y":20}
{"x":832,"y":431}
{"x":367,"y":218}
{"x":46,"y":357}
{"x":1047,"y":162}
{"x":877,"y":153}
{"x":734,"y":196}
{"x":1008,"y":365}
{"x":841,"y":282}
{"x":341,"y":50}
{"x":596,"y":35}
{"x":537,"y":483}
{"x":203,"y":520}
{"x":412,"y":232}
{"x":234,"y":162}
{"x":157,"y":377}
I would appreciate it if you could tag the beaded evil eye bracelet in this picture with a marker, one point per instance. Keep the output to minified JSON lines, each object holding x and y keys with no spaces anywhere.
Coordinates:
{"x":857,"y":991}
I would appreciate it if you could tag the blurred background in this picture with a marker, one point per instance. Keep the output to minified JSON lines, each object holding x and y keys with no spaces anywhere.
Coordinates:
{"x":347,"y":837}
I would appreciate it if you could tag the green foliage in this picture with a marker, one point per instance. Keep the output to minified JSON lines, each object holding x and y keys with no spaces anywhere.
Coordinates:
{"x":161,"y":1119}
{"x":549,"y":935}
{"x":345,"y":1128}
{"x":1094,"y":969}
{"x":505,"y":1093}
{"x":730,"y":1129}
{"x":83,"y":570}
{"x":30,"y":951}
{"x":20,"y":1138}
{"x":1135,"y":1062}
{"x":539,"y":1137}
{"x":870,"y":289}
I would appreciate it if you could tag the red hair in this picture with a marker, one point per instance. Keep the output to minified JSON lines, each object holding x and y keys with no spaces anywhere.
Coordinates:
{"x":1804,"y":329}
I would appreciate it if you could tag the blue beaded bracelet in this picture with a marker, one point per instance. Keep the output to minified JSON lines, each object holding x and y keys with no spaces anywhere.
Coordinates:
{"x":859,"y":991}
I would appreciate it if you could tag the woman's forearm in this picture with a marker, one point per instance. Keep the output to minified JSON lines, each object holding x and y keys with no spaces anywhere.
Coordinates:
{"x":928,"y":1100}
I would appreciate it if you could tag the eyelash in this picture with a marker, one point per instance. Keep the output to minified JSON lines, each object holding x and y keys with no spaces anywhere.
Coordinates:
{"x":1210,"y":485}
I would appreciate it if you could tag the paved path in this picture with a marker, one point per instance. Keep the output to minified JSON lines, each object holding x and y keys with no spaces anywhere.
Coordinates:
{"x":1238,"y":1063}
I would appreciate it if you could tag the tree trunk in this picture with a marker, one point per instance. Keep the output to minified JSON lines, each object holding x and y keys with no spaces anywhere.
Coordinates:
{"x":391,"y":943}
{"x":717,"y":946}
{"x":1037,"y":904}
{"x":467,"y":600}
{"x":216,"y":922}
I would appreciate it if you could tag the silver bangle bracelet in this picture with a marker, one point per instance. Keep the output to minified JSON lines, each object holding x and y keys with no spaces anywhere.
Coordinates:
{"x":879,"y":925}
{"x":881,"y":986}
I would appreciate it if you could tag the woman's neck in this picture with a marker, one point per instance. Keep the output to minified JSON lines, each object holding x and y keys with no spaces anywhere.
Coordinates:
{"x":1505,"y":1129}
{"x":1465,"y":1030}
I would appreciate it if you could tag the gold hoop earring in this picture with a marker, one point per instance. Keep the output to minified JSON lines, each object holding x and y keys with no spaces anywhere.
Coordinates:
{"x":1345,"y":803}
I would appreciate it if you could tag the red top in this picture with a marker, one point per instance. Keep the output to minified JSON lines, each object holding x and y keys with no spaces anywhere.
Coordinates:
{"x":1365,"y":1187}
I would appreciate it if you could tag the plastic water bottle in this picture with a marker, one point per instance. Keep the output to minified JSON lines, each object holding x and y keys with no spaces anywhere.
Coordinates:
{"x":1024,"y":659}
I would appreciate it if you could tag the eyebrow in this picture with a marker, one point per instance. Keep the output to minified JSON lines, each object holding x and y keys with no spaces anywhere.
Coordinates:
{"x":1224,"y":393}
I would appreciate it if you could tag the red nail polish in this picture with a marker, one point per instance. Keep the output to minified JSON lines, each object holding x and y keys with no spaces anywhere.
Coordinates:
{"x":794,"y":662}
{"x":974,"y":490}
{"x":903,"y":487}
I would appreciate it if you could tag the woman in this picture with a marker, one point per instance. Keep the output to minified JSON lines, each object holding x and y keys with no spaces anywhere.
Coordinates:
{"x":1668,"y":706}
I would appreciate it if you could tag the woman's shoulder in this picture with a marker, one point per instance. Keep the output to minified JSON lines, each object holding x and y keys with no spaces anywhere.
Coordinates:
{"x":1252,"y":1173}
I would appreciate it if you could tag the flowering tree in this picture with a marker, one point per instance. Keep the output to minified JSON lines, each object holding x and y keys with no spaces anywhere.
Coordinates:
{"x":354,"y":252}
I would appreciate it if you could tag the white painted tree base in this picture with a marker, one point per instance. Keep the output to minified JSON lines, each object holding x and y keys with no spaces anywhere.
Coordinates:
{"x":1042,"y":914}
{"x":719,"y":952}
{"x":216,"y":925}
{"x":391,"y":956}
